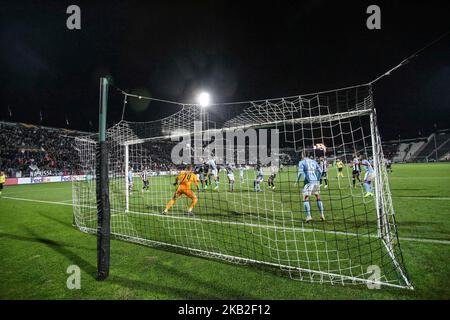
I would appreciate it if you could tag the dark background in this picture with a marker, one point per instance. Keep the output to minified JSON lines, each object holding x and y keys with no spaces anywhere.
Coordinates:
{"x":238,"y":50}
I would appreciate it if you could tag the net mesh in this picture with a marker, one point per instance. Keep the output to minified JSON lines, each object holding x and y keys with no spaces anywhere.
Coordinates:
{"x":255,"y":216}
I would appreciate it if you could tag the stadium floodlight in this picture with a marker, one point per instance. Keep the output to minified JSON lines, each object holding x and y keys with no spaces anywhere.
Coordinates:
{"x":203,"y":99}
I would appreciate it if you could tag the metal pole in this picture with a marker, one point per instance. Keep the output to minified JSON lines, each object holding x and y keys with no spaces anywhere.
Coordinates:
{"x":376,"y":173}
{"x":103,"y":209}
{"x":127,"y":185}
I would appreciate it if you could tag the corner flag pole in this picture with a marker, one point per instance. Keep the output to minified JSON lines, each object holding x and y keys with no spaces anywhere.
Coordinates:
{"x":103,"y":209}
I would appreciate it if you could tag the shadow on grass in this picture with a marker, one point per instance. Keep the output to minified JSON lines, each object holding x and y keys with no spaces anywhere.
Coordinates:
{"x":215,"y":291}
{"x":59,"y":247}
{"x":61,"y":222}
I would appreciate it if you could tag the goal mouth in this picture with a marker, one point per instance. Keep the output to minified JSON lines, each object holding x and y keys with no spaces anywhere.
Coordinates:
{"x":251,"y":205}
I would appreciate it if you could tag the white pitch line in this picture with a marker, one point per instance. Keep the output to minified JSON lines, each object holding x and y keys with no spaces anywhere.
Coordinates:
{"x":422,"y":198}
{"x":414,"y":178}
{"x":35,"y":200}
{"x":424,"y":240}
{"x":69,"y":200}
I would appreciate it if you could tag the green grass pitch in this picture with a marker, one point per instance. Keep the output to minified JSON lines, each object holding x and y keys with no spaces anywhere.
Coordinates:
{"x":38,"y":243}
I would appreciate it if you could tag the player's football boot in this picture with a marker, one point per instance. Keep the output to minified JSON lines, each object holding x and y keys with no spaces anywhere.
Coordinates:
{"x":308,"y":219}
{"x":322,"y":217}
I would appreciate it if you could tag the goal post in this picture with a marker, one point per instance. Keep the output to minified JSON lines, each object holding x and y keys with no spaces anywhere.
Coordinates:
{"x":102,"y":188}
{"x":127,"y":185}
{"x":252,"y":211}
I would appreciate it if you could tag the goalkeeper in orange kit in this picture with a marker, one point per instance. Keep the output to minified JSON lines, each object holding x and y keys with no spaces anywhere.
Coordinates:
{"x":183,"y":181}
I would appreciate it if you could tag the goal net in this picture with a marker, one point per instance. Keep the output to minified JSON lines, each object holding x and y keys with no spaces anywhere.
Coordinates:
{"x":250,"y":201}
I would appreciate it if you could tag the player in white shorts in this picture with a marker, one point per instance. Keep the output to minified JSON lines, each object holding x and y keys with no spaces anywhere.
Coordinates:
{"x":213,"y":172}
{"x":259,"y":178}
{"x":369,"y":176}
{"x":241,"y":173}
{"x":312,"y":172}
{"x":230,"y":174}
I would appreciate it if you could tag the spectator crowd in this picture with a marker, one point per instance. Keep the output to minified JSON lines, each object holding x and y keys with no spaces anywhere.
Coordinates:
{"x":27,"y":150}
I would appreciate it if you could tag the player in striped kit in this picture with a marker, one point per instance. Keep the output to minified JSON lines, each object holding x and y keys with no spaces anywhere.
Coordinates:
{"x":323,"y":163}
{"x":144,"y":177}
{"x":273,"y":175}
{"x":356,"y":169}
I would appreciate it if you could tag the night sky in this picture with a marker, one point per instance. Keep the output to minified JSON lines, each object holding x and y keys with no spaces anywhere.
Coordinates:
{"x":238,"y":50}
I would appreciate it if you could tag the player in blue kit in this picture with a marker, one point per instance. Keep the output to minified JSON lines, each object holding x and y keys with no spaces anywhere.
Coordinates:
{"x":312,"y":172}
{"x":368,"y":176}
{"x":213,"y":172}
{"x":230,"y":175}
{"x":130,"y":179}
{"x":259,"y":178}
{"x":241,"y":173}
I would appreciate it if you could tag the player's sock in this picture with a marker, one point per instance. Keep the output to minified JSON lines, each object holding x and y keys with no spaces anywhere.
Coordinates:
{"x":307,"y":207}
{"x":320,"y":206}
{"x":169,"y":205}
{"x":368,"y":187}
{"x":353,"y":182}
{"x":193,"y":203}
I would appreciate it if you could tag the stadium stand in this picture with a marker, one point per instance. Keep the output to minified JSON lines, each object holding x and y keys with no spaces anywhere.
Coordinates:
{"x":30,"y":150}
{"x":414,"y":148}
{"x":27,"y":150}
{"x":401,"y":152}
{"x":437,"y":145}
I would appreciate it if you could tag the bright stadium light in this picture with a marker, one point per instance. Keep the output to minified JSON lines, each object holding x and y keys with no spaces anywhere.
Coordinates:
{"x":203,"y":99}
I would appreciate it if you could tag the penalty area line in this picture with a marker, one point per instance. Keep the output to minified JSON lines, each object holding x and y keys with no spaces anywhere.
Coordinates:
{"x":423,"y":240}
